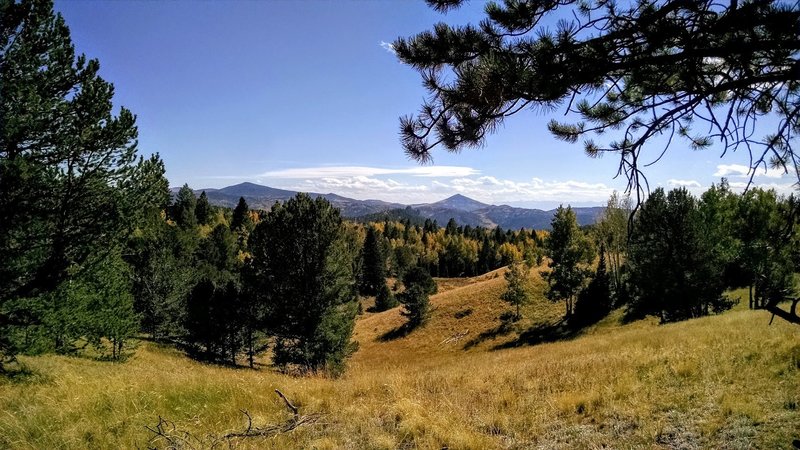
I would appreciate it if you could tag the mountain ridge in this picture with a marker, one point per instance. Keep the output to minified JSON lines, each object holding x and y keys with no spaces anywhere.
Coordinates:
{"x":465,"y":210}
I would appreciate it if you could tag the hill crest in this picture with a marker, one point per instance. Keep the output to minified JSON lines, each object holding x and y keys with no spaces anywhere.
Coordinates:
{"x":465,"y":210}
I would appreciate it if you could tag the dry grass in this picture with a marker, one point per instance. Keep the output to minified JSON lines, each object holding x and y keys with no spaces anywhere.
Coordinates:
{"x":728,"y":381}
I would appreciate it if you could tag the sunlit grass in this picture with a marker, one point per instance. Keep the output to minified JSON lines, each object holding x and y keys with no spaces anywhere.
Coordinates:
{"x":727,"y":381}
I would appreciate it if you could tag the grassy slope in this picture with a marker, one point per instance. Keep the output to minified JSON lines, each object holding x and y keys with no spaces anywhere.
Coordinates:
{"x":726,"y":381}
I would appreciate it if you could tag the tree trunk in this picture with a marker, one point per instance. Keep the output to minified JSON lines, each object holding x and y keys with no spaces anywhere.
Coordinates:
{"x":250,"y":349}
{"x":751,"y":297}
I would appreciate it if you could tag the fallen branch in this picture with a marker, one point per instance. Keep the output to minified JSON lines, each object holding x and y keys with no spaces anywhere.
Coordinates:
{"x":455,"y":338}
{"x":275,"y":429}
{"x":789,"y":316}
{"x":288,"y":403}
{"x":167,"y":436}
{"x":165,"y":431}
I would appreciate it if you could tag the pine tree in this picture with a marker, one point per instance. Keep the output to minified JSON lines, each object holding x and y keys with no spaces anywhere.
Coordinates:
{"x":373,"y":269}
{"x":200,"y":324}
{"x":302,"y":271}
{"x":672,"y":269}
{"x":203,"y":209}
{"x":183,"y":210}
{"x":421,"y":277}
{"x":111,"y":305}
{"x":240,"y":215}
{"x":569,"y":252}
{"x":416,"y":306}
{"x":487,"y":257}
{"x":216,"y":255}
{"x":384,"y":300}
{"x":649,"y":69}
{"x":67,"y":166}
{"x":594,"y":302}
{"x":765,"y":256}
{"x":419,"y":285}
{"x":518,"y":291}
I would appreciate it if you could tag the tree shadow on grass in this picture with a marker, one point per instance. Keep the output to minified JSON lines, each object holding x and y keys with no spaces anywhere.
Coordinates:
{"x":14,"y":372}
{"x":562,"y":330}
{"x":396,"y":333}
{"x":201,"y":355}
{"x":505,"y":327}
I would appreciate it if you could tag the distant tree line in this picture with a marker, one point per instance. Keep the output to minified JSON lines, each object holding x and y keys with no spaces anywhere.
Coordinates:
{"x":449,"y":251}
{"x":95,"y":249}
{"x":680,"y":256}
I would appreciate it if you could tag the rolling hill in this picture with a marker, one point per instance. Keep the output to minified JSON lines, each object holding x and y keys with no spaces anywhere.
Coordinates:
{"x":464,"y":210}
{"x":463,"y":381}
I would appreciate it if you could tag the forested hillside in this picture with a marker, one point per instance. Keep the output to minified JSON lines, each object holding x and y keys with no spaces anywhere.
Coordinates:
{"x":464,"y":210}
{"x":136,"y":316}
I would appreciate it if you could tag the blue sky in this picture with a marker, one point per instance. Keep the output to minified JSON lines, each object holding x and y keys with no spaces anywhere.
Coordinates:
{"x":306,"y":95}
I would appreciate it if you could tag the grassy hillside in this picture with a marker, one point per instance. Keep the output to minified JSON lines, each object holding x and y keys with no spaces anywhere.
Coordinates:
{"x":463,"y":381}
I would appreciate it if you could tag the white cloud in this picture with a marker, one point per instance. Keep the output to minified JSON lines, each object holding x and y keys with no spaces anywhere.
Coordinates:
{"x":493,"y":190}
{"x":483,"y":188}
{"x":388,"y":46}
{"x":360,"y":186}
{"x":780,"y":188}
{"x":740,"y":170}
{"x":355,"y":171}
{"x":684,"y":183}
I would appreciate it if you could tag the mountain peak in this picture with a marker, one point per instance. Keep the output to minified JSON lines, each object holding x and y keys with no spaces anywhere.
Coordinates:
{"x":460,"y":202}
{"x":459,"y":197}
{"x":248,"y":189}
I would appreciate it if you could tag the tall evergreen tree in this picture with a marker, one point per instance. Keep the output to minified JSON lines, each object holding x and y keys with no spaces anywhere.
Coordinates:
{"x":216,"y":255}
{"x":419,"y":285}
{"x":487,"y":256}
{"x":66,"y":162}
{"x":718,"y":208}
{"x":161,"y":278}
{"x":594,"y":302}
{"x":373,"y":268}
{"x":765,"y":255}
{"x":673,"y":272}
{"x":416,"y":305}
{"x":302,"y":268}
{"x":570,"y":253}
{"x":240,"y":215}
{"x":183,"y":210}
{"x":202,"y":325}
{"x":203,"y":209}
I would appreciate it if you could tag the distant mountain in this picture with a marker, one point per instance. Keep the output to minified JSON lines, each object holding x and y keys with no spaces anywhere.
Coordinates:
{"x":464,"y":210}
{"x":506,"y":216}
{"x":263,"y":197}
{"x":255,"y":190}
{"x":458,"y":202}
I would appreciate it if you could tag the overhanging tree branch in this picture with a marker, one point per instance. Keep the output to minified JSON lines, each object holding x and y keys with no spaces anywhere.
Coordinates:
{"x":726,"y":65}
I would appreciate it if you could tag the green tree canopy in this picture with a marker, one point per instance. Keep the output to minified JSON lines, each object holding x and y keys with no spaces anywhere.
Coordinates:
{"x":640,"y":69}
{"x":518,"y":290}
{"x":184,"y":208}
{"x":384,"y":299}
{"x":240,"y":217}
{"x":71,"y":185}
{"x":570,"y":253}
{"x":373,"y":268}
{"x":673,"y":270}
{"x":302,"y":266}
{"x":203,"y":209}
